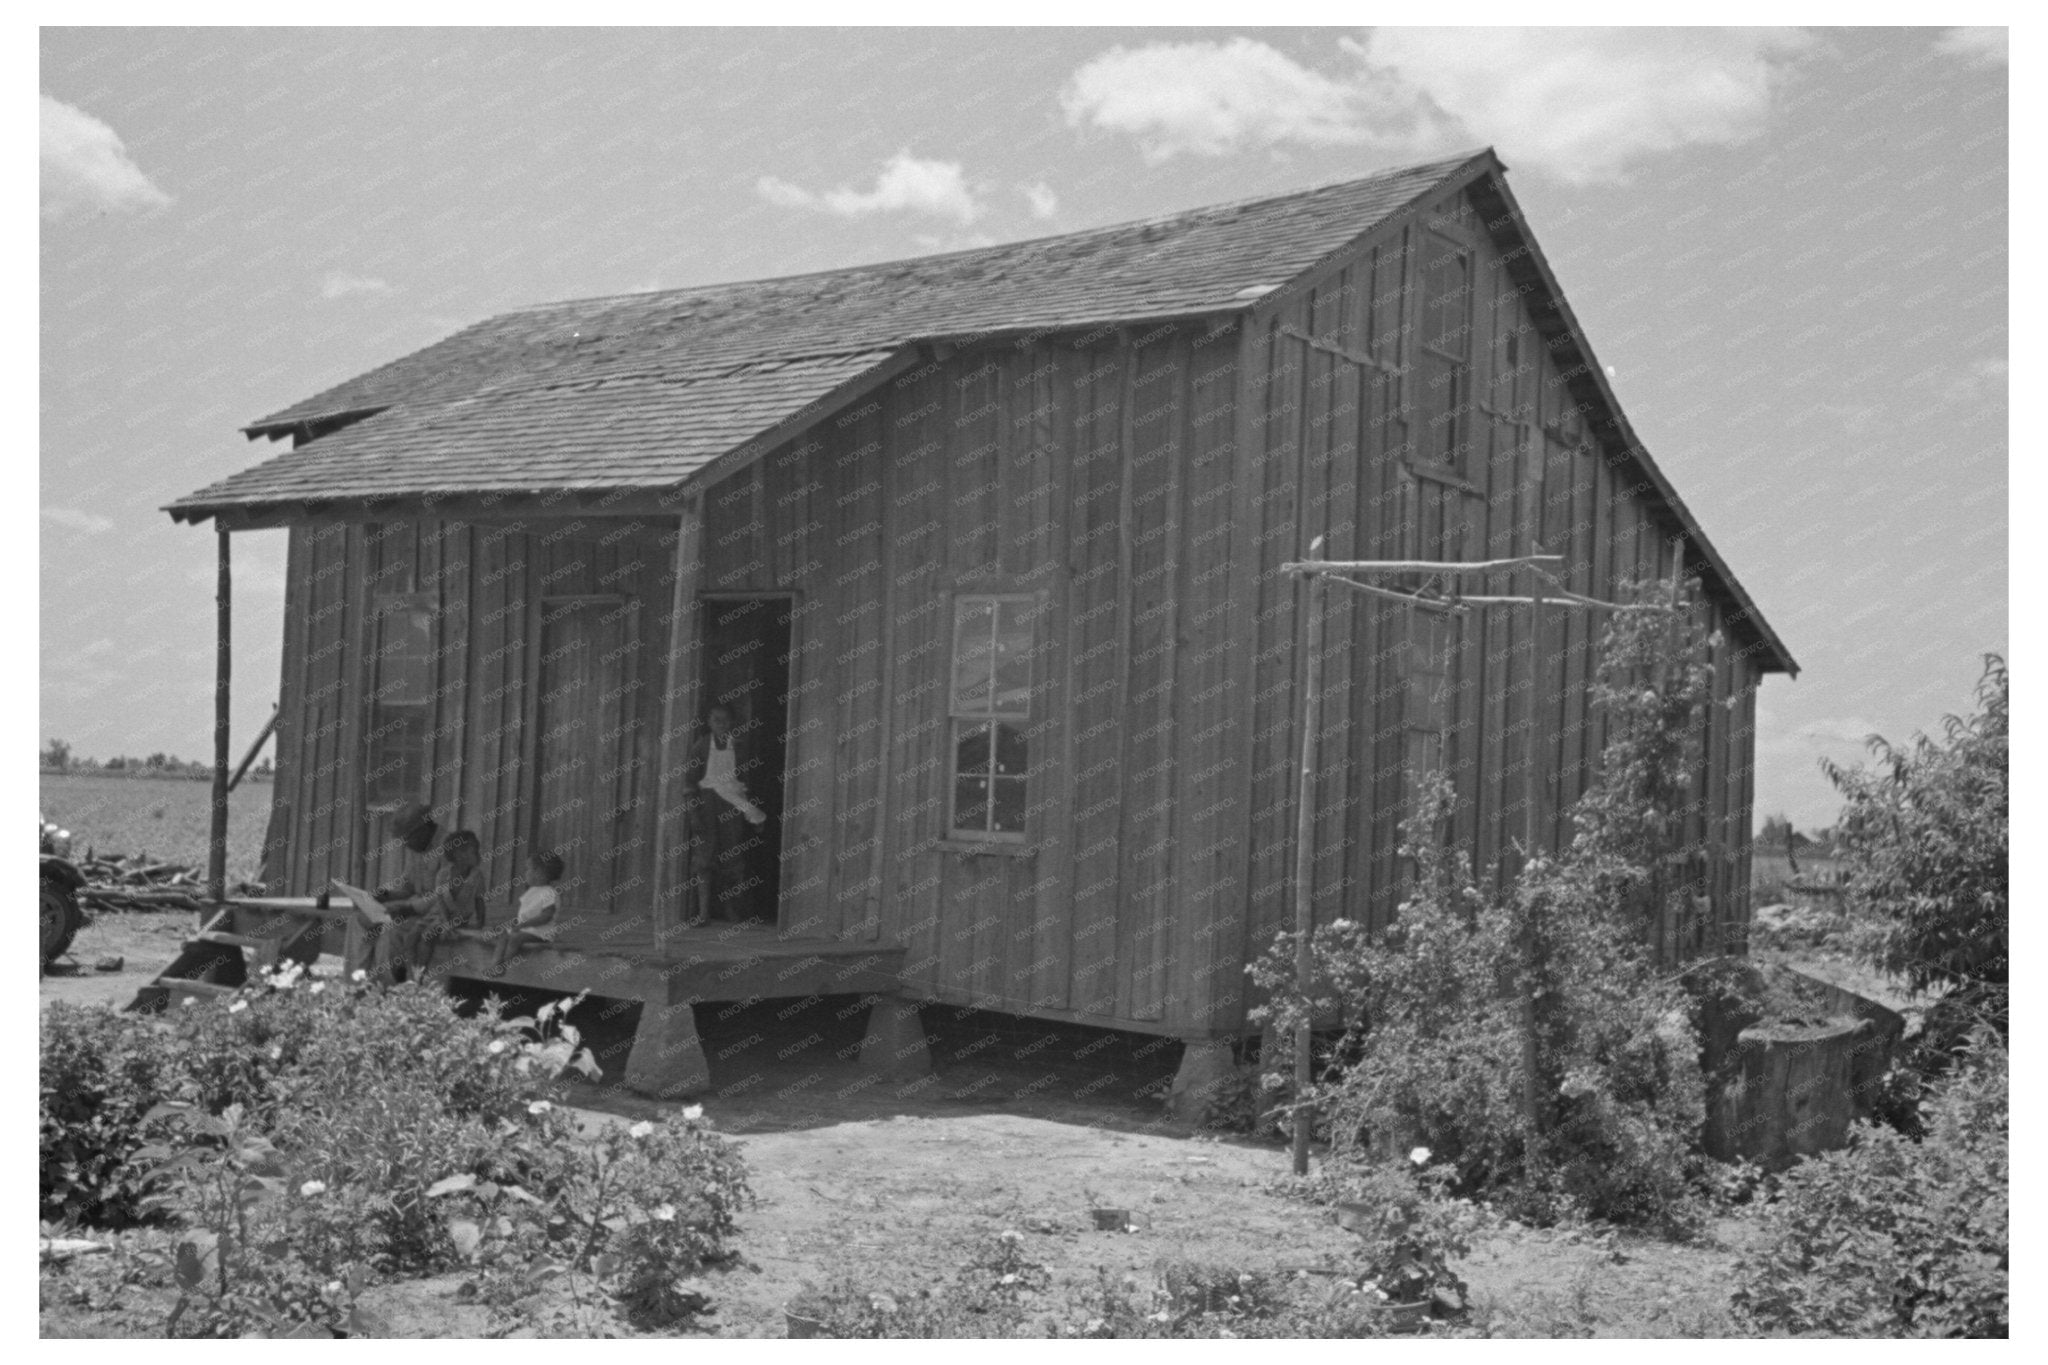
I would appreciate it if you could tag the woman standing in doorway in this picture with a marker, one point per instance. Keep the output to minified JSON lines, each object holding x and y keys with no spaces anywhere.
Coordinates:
{"x":720,"y":813}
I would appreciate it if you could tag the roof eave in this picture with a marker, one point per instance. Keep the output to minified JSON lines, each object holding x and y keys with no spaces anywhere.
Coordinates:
{"x":1566,"y":325}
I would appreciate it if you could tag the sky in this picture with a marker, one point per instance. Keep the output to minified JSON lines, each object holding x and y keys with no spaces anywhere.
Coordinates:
{"x":1788,"y":247}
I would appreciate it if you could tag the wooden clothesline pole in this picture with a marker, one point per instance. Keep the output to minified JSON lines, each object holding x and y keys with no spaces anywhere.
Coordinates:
{"x":1418,"y":565}
{"x":1304,"y":866}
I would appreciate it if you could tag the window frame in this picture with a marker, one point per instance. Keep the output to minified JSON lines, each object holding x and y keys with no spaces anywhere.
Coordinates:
{"x":378,"y":798}
{"x":1453,"y":450}
{"x":989,"y":839}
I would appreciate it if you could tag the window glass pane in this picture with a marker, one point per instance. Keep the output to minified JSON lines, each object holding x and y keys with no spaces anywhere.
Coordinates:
{"x":970,"y":804}
{"x":397,"y":754}
{"x":1010,"y":750}
{"x":973,"y":664}
{"x":970,"y":753}
{"x":1008,"y":814}
{"x":405,"y":655}
{"x":1014,"y":621}
{"x":1444,"y":301}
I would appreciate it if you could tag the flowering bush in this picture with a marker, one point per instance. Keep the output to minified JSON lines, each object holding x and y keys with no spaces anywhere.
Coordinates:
{"x":310,"y":1135}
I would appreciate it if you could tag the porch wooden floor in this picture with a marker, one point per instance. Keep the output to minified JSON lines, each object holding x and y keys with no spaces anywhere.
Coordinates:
{"x":616,"y":955}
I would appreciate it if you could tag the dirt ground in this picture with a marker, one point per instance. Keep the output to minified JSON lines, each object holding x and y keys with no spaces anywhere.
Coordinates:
{"x":1019,"y":1126}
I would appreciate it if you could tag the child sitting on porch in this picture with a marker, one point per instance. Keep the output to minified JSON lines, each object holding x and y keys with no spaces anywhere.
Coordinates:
{"x":535,"y":922}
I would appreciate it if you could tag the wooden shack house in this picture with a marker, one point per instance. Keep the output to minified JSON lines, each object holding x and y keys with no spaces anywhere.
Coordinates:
{"x":984,"y":551}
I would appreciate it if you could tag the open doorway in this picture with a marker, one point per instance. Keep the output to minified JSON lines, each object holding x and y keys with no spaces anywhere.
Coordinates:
{"x":747,"y":648}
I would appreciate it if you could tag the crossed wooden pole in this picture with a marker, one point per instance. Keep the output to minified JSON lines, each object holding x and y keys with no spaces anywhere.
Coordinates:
{"x":1315,"y":574}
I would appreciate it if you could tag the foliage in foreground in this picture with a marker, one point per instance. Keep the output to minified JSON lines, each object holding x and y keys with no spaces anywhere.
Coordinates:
{"x":309,"y":1137}
{"x":1001,"y":1292}
{"x":1894,"y":1237}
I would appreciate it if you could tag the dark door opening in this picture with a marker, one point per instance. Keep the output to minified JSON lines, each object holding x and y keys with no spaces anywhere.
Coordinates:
{"x":746,"y":653}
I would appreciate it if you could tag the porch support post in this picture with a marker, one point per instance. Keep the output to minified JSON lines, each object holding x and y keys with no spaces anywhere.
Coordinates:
{"x":894,"y":1043}
{"x":667,"y":1061}
{"x":1208,"y":1066}
{"x":217,"y":848}
{"x":678,"y":720}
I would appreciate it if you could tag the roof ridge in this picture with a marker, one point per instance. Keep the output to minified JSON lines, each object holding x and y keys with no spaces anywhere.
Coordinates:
{"x":1439,"y":165}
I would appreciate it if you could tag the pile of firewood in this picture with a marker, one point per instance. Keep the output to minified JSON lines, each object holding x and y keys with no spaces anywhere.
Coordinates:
{"x":136,"y":883}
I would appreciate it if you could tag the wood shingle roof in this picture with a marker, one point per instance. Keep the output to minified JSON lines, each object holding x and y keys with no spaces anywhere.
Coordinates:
{"x":643,"y":390}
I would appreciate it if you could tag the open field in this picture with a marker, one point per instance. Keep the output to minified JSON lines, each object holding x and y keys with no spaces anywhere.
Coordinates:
{"x":164,"y":818}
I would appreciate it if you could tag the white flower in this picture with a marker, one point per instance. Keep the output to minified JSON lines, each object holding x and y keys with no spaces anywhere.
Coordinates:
{"x":333,"y":1287}
{"x":539,"y":1107}
{"x":1420,"y":1156}
{"x":497,"y":1046}
{"x":238,"y":1006}
{"x":695,"y":1111}
{"x":188,"y":1002}
{"x":313,"y":1187}
{"x":359,"y":975}
{"x":317,"y":987}
{"x":1010,"y":1235}
{"x":1010,"y":1278}
{"x":277,"y":1054}
{"x":666,"y":1213}
{"x":641,"y":1129}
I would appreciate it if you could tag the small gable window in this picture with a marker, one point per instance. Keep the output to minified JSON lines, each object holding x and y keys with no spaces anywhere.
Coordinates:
{"x":1444,"y":358}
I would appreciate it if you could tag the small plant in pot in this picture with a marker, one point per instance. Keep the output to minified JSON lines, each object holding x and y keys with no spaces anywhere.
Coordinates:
{"x":1410,"y":1231}
{"x":805,"y":1315}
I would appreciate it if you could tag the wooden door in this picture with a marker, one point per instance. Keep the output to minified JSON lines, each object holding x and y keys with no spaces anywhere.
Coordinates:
{"x":588,"y":659}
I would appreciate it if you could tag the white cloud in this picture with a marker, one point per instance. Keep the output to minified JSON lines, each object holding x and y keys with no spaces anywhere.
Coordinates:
{"x":71,"y":518}
{"x":1977,"y":46}
{"x":1583,"y":103}
{"x":1209,"y":98}
{"x":338,"y":285}
{"x":1579,"y":104}
{"x":1044,"y":203}
{"x":906,"y":184}
{"x":1984,"y":381}
{"x":86,"y":166}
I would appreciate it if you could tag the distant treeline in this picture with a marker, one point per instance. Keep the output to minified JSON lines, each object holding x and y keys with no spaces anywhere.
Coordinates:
{"x":57,"y":757}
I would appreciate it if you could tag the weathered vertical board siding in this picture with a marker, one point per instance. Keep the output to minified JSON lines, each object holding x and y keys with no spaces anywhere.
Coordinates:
{"x":1080,"y":471}
{"x":1463,"y":697}
{"x":483,"y":581}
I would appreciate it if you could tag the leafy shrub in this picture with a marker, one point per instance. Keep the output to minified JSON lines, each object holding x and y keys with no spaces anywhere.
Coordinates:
{"x":235,"y":1266}
{"x":101,"y":1076}
{"x":1926,"y":837}
{"x":1528,"y":1039}
{"x":1925,"y":834}
{"x":1412,"y":1229}
{"x":310,"y":1134}
{"x":1893,"y":1237}
{"x":659,"y":1200}
{"x":1434,"y":1055}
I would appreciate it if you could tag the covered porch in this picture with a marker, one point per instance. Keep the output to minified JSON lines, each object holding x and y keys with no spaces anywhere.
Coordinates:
{"x":617,"y":958}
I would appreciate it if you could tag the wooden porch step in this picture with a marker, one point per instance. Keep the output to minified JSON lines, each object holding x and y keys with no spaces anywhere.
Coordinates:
{"x":226,"y":939}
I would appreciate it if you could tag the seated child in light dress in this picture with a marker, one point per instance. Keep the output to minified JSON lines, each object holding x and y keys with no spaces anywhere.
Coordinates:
{"x":535,"y":922}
